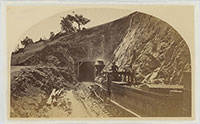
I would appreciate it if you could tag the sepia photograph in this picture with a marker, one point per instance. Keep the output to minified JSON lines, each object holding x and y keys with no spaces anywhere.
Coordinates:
{"x":100,"y":61}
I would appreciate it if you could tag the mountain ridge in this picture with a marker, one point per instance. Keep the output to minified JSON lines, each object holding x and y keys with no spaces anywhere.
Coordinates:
{"x":132,"y":39}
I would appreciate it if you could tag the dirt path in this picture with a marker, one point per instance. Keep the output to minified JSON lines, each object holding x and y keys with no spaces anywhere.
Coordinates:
{"x":75,"y":110}
{"x":78,"y":110}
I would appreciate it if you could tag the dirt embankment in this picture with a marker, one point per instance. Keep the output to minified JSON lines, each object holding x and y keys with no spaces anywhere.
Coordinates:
{"x":31,"y":87}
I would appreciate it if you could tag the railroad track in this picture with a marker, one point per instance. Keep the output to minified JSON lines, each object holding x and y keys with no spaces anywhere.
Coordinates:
{"x":116,"y":110}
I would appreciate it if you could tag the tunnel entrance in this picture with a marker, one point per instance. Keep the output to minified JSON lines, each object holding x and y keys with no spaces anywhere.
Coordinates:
{"x":86,"y":71}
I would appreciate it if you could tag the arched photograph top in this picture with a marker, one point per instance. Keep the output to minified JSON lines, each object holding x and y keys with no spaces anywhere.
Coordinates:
{"x":100,"y":61}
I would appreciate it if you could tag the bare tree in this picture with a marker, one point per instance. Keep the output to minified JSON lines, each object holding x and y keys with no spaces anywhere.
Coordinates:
{"x":52,"y":35}
{"x":67,"y":23}
{"x":80,"y":20}
{"x":26,"y":41}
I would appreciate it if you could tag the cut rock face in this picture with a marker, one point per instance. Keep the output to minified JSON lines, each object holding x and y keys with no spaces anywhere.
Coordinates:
{"x":154,"y":50}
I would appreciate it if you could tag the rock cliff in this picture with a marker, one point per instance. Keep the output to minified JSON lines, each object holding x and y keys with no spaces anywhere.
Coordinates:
{"x":154,"y":50}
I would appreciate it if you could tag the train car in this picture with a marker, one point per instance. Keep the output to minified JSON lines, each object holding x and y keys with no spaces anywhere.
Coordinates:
{"x":144,"y":100}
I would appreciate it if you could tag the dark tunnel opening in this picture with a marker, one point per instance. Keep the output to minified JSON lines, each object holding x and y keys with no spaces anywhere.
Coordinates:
{"x":86,"y":71}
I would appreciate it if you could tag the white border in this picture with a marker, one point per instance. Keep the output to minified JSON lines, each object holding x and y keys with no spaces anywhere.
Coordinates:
{"x":4,"y":65}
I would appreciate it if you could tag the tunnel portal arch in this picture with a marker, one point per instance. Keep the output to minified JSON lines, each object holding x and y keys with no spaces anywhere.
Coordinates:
{"x":85,"y":70}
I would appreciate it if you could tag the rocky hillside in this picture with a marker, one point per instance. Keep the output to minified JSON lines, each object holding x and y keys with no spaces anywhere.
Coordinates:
{"x":138,"y":41}
{"x":91,"y":43}
{"x":152,"y":48}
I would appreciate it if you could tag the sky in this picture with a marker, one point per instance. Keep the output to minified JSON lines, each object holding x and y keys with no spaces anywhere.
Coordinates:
{"x":37,"y":21}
